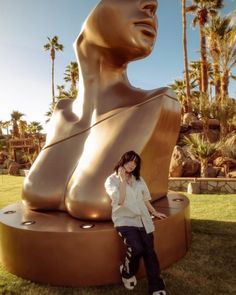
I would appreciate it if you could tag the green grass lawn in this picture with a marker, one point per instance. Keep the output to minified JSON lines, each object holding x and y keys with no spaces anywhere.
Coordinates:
{"x":207,"y":269}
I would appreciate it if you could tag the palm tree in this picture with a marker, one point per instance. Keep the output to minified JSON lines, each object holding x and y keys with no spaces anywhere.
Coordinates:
{"x":227,"y":46}
{"x":224,"y":111}
{"x":6,"y":125}
{"x":215,"y":31}
{"x":1,"y":126}
{"x":53,"y":45}
{"x":22,"y":128}
{"x":184,"y":41}
{"x":72,"y":75}
{"x":15,"y":117}
{"x":35,"y":127}
{"x":62,"y":94}
{"x":179,"y":87}
{"x":202,"y":149}
{"x":201,"y":10}
{"x":195,"y":72}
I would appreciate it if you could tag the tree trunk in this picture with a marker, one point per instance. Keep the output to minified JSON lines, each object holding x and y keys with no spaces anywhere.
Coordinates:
{"x":214,"y":51}
{"x":204,"y":75}
{"x":225,"y":84}
{"x":217,"y":81}
{"x":205,"y":127}
{"x":184,"y":36}
{"x":223,"y":130}
{"x":204,"y":165}
{"x":53,"y":91}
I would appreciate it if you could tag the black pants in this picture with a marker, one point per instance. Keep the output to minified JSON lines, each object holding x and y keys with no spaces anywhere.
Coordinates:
{"x":140,"y":244}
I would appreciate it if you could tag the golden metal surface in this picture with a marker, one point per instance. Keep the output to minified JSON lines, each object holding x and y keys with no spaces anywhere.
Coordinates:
{"x":56,"y":250}
{"x":110,"y":117}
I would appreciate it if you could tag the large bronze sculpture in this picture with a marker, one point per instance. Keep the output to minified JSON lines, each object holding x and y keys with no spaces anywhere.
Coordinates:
{"x":109,"y":117}
{"x":86,"y":139}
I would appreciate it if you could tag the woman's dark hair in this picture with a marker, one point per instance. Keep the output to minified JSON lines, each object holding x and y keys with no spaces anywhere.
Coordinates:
{"x":127,"y":157}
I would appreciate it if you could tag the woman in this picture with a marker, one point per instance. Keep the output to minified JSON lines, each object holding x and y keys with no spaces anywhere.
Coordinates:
{"x":130,"y":214}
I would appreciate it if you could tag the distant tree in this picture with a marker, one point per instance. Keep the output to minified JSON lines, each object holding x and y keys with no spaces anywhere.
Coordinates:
{"x":15,"y":117}
{"x":53,"y":45}
{"x":62,"y":93}
{"x":1,"y":126}
{"x":6,"y":125}
{"x":215,"y":31}
{"x":72,"y":75}
{"x":22,"y":125}
{"x":201,"y":10}
{"x":227,"y":47}
{"x":195,"y":72}
{"x":35,"y":127}
{"x":225,"y":112}
{"x":187,"y":107}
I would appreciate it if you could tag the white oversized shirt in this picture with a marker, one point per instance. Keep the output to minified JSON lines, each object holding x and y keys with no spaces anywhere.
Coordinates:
{"x":133,"y":212}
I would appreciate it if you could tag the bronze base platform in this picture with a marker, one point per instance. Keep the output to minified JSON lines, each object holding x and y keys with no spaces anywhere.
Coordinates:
{"x":54,"y":248}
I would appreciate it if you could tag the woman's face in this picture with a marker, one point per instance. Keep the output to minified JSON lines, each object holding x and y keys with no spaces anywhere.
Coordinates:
{"x":130,"y":166}
{"x":127,"y":27}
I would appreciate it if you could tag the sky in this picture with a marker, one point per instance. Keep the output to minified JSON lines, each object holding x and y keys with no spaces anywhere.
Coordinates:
{"x":25,"y":68}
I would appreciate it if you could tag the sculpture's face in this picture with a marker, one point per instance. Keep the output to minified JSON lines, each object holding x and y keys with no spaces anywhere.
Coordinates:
{"x":126,"y":27}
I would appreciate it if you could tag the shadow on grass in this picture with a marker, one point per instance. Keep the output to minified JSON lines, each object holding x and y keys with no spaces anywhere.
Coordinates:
{"x":208,"y":268}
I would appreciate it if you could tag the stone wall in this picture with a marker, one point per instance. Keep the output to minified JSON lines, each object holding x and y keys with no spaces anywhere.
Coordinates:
{"x":203,"y":185}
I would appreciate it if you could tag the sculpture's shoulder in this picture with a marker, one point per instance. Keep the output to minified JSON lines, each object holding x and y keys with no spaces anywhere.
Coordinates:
{"x":64,"y":105}
{"x":162,"y":92}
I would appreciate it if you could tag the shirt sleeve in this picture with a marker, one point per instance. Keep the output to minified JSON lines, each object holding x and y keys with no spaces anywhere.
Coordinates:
{"x":112,"y":190}
{"x":145,"y":191}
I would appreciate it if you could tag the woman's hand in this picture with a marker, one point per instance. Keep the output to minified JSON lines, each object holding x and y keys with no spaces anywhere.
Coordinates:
{"x":121,"y":173}
{"x":159,"y":215}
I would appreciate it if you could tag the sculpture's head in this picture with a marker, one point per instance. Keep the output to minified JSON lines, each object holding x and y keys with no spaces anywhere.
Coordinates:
{"x":126,"y":28}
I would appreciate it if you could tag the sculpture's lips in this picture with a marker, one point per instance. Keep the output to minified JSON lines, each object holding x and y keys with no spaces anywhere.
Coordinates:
{"x":148,"y":25}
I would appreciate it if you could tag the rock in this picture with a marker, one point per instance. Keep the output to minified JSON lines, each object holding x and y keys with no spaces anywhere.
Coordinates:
{"x":3,"y":157}
{"x":213,"y":171}
{"x":7,"y":163}
{"x":213,"y":135}
{"x":176,"y":164}
{"x":221,"y":173}
{"x":197,"y":125}
{"x":214,"y":123}
{"x":221,"y":161}
{"x":188,"y":118}
{"x":184,"y":128}
{"x":191,"y":167}
{"x":14,"y":169}
{"x":232,"y":174}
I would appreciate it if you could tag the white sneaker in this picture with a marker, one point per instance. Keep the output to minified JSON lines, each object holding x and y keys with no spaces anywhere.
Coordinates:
{"x":160,"y":292}
{"x":128,"y":283}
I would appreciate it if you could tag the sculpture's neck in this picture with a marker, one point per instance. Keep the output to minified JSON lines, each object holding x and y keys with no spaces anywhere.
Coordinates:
{"x":99,"y":72}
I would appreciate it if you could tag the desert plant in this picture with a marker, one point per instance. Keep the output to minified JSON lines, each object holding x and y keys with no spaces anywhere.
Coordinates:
{"x":202,"y":149}
{"x":229,"y":148}
{"x":225,"y":112}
